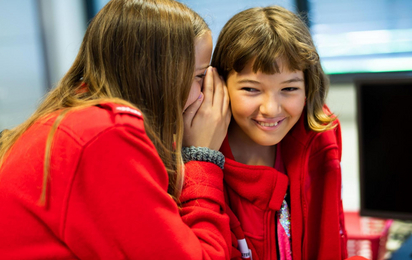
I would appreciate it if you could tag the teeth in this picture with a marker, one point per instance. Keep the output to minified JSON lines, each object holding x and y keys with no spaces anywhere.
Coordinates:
{"x":267,"y":124}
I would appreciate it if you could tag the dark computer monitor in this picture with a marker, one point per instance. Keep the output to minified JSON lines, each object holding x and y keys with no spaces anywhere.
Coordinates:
{"x":384,"y":114}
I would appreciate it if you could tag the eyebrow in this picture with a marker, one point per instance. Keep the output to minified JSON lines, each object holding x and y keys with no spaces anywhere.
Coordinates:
{"x":295,"y":79}
{"x":202,"y":68}
{"x":248,"y":81}
{"x":292,"y":80}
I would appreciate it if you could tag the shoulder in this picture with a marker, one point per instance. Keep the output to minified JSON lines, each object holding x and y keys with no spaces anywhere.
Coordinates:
{"x":301,"y":136}
{"x":328,"y":143}
{"x":87,"y":123}
{"x":331,"y":137}
{"x":328,"y":137}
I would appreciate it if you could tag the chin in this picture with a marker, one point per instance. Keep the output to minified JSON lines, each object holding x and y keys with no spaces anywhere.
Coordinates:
{"x":267,"y":142}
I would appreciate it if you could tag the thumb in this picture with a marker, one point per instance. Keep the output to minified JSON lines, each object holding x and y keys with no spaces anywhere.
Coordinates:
{"x":191,"y":111}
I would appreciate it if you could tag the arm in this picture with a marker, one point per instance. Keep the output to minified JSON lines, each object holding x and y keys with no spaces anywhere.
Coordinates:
{"x":325,"y":191}
{"x":202,"y":204}
{"x":205,"y":125}
{"x":118,"y":206}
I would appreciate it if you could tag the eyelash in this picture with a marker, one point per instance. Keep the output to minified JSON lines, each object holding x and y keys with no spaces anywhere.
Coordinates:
{"x":201,"y":76}
{"x":249,"y":89}
{"x":289,"y":89}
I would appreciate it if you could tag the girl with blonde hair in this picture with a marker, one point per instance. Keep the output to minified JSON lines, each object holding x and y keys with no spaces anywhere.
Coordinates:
{"x":97,"y":171}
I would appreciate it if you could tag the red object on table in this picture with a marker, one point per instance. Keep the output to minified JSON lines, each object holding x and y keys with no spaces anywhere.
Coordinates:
{"x":367,"y":236}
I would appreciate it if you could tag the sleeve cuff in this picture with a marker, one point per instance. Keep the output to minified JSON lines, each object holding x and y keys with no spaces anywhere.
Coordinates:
{"x":203,"y":180}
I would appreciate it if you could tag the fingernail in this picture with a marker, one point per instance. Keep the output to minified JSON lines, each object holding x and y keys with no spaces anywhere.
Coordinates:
{"x":200,"y":96}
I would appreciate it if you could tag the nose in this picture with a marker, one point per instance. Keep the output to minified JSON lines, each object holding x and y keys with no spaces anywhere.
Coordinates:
{"x":270,"y":106}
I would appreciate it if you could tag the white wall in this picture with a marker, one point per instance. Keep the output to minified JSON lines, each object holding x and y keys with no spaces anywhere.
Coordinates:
{"x":23,"y":75}
{"x":65,"y":24}
{"x":216,"y":18}
{"x":341,"y":100}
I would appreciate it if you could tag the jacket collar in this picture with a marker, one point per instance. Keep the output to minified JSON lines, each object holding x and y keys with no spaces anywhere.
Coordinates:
{"x":254,"y":183}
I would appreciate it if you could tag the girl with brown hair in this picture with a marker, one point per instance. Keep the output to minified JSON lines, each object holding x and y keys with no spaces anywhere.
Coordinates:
{"x":282,"y":172}
{"x":97,"y":171}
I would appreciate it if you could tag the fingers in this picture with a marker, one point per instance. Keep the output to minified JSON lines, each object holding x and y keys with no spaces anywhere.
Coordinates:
{"x":228,"y":117}
{"x":208,"y":87}
{"x":191,"y":111}
{"x":226,"y":99}
{"x":216,"y":93}
{"x":206,"y":121}
{"x":219,"y":88}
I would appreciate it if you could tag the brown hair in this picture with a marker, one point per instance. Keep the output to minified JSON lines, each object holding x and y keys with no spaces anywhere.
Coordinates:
{"x":138,"y":53}
{"x":266,"y":34}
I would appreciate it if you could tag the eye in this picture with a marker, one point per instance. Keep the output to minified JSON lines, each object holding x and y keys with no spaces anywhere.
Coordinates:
{"x":250,"y":89}
{"x":289,"y":89}
{"x":200,"y":76}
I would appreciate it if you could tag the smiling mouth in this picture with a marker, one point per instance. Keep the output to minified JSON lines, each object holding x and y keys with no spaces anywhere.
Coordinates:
{"x":267,"y":124}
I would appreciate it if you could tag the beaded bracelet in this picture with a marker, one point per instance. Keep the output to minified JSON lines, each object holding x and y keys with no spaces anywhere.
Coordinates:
{"x":205,"y":154}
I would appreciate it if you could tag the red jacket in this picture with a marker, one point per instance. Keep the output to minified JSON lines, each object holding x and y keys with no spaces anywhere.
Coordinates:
{"x":107,"y":195}
{"x":255,"y":193}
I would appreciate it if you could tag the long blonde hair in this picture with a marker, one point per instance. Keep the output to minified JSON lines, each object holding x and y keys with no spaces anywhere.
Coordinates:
{"x":138,"y":53}
{"x":264,"y":34}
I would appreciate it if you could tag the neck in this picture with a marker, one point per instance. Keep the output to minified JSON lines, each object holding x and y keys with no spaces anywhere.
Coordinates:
{"x":246,"y":151}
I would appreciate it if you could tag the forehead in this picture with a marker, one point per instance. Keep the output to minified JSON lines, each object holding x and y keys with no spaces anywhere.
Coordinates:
{"x":268,"y":64}
{"x":283,"y":73}
{"x":203,"y":50}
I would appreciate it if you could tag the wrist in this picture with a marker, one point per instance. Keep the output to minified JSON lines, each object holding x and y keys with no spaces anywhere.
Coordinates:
{"x":205,"y":154}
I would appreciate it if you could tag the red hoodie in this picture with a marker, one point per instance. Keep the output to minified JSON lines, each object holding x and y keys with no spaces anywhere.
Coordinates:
{"x":107,"y":195}
{"x":313,"y":177}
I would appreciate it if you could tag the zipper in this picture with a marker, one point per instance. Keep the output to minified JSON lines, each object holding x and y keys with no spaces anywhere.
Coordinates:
{"x":269,"y":250}
{"x":304,"y":219}
{"x":305,"y":159}
{"x":267,"y":235}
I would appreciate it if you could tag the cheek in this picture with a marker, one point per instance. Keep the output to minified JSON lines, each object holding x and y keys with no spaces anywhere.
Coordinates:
{"x":193,"y":94}
{"x":295,"y":107}
{"x":242,"y":106}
